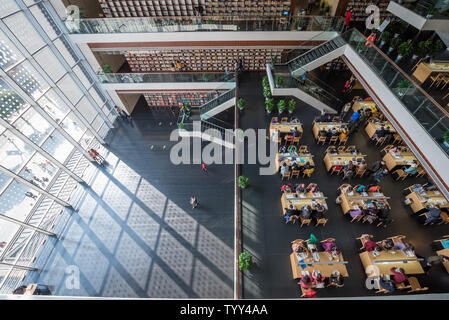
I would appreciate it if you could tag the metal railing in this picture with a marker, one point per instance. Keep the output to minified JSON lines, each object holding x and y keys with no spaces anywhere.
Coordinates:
{"x":217,"y":101}
{"x":165,"y":77}
{"x":190,"y":24}
{"x":427,"y":112}
{"x":429,"y":9}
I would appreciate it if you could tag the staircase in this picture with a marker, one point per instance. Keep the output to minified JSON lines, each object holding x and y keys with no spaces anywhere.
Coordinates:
{"x":218,"y":104}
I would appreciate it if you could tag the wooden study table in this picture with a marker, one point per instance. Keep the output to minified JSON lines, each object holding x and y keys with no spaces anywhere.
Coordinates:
{"x":371,"y":127}
{"x":284,"y":128}
{"x":403,"y":160}
{"x":420,"y":201}
{"x":424,"y":70}
{"x":317,"y":126}
{"x":325,"y":269}
{"x":356,"y":199}
{"x":357,"y":105}
{"x":444,"y":252}
{"x":300,"y":159}
{"x":389,"y":260}
{"x":341,"y":159}
{"x":303,"y":199}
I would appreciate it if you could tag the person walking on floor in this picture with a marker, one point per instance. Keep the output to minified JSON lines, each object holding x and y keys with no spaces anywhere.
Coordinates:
{"x":303,"y":78}
{"x":345,"y":110}
{"x":380,"y":174}
{"x":203,"y":166}
{"x":194,"y":202}
{"x":348,"y":18}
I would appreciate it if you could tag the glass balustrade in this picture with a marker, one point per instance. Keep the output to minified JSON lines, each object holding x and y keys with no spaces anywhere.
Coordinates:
{"x":188,"y":24}
{"x":165,"y":77}
{"x":429,"y":9}
{"x":428,"y":113}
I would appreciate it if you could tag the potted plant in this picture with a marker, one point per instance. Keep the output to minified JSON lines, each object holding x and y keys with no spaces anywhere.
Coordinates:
{"x":245,"y":261}
{"x":106,"y":68}
{"x":181,"y":126}
{"x":266,"y":92}
{"x":430,"y":11}
{"x":273,"y":60}
{"x":435,"y":47}
{"x":300,"y":24}
{"x":322,"y":7}
{"x":269,"y":105}
{"x":241,"y":104}
{"x":265,"y":82}
{"x":402,"y":87}
{"x":291,"y":106}
{"x":327,"y":9}
{"x":206,"y":77}
{"x":446,"y":138}
{"x":385,"y":37}
{"x":422,"y":48}
{"x":278,"y":80}
{"x":404,"y":49}
{"x":282,"y":106}
{"x":394,"y":44}
{"x":400,"y":28}
{"x":243,"y":182}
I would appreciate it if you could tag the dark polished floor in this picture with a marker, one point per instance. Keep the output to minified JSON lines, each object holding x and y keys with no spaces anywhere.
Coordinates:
{"x":268,"y":238}
{"x":135,"y":234}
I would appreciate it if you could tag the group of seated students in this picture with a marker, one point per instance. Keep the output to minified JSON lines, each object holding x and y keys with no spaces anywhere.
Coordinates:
{"x":341,"y":132}
{"x":314,"y":211}
{"x":286,"y":169}
{"x":383,"y":132}
{"x":300,"y":188}
{"x":294,"y":132}
{"x":412,"y":166}
{"x":433,"y":214}
{"x":387,"y":245}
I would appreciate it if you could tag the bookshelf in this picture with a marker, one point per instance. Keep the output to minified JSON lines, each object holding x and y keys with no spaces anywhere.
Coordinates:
{"x":189,"y":8}
{"x":201,"y":60}
{"x":175,"y":98}
{"x":360,"y":7}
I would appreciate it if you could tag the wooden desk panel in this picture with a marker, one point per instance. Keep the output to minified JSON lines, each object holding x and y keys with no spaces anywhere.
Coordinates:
{"x":444,"y":252}
{"x":317,"y":126}
{"x":284,"y":127}
{"x":424,"y":70}
{"x":347,"y":202}
{"x":371,"y":128}
{"x":325,"y":269}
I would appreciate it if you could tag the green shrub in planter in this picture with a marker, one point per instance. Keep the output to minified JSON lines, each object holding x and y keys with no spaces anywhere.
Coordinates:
{"x":265,"y":82}
{"x":282,"y":106}
{"x":106,"y":68}
{"x":269,"y":105}
{"x":446,"y":136}
{"x":243,"y":182}
{"x":273,"y":60}
{"x":402,"y":86}
{"x":385,"y":37}
{"x":436,"y":47}
{"x":245,"y":261}
{"x":291,"y":105}
{"x":181,"y":126}
{"x":395,"y":43}
{"x":278,"y":81}
{"x":266,"y":92}
{"x":241,"y":104}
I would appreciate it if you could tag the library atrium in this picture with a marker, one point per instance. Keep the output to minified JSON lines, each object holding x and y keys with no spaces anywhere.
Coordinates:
{"x":241,"y":149}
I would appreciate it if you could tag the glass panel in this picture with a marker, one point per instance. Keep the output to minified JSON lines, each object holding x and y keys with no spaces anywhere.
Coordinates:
{"x":65,"y":53}
{"x":34,"y":126}
{"x":42,"y":16}
{"x":25,"y":32}
{"x":29,"y":80}
{"x":39,"y":171}
{"x":86,"y":140}
{"x":70,"y":89}
{"x":14,"y":153}
{"x":7,"y":7}
{"x":58,"y":146}
{"x":51,"y":65}
{"x":82,"y":77}
{"x":73,"y":126}
{"x":54,"y":106}
{"x":18,"y":200}
{"x":7,"y":232}
{"x":4,"y":180}
{"x":86,"y":109}
{"x":9,"y":54}
{"x":11,"y":104}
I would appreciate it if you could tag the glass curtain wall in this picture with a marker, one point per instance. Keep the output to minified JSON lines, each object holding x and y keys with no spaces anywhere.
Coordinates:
{"x":51,"y":111}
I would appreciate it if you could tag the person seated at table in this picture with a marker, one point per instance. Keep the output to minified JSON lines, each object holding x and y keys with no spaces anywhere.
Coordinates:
{"x":433,"y":214}
{"x":306,"y":212}
{"x":300,"y":188}
{"x":379,"y":133}
{"x":302,"y":253}
{"x":298,"y":247}
{"x":308,"y":166}
{"x":318,"y":279}
{"x":405,"y":247}
{"x":353,"y":150}
{"x":399,"y":275}
{"x":370,"y":213}
{"x":284,"y":169}
{"x":322,"y":117}
{"x":430,"y":187}
{"x":383,"y":214}
{"x":361,"y":189}
{"x":331,"y":248}
{"x":349,"y":166}
{"x":318,"y":209}
{"x":286,"y":188}
{"x":386,"y":284}
{"x":395,"y":151}
{"x":294,"y":120}
{"x":418,"y":188}
{"x":288,"y":137}
{"x":306,"y":282}
{"x":329,"y":134}
{"x":368,"y":244}
{"x":343,"y":134}
{"x":412,"y":169}
{"x":334,"y":132}
{"x":389,"y":135}
{"x":312,"y":187}
{"x":336,"y":278}
{"x":295,"y":132}
{"x":362,"y":166}
{"x":386,"y":245}
{"x":290,"y":210}
{"x":283,"y":149}
{"x":374,"y":188}
{"x":295,"y":167}
{"x":275,"y":120}
{"x":322,"y":133}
